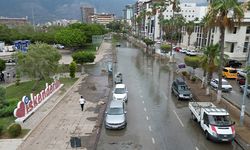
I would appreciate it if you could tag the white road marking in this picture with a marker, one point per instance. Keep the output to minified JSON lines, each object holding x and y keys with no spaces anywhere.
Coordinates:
{"x":153,"y":140}
{"x":149,"y":128}
{"x":147,"y":118}
{"x":196,"y":148}
{"x":178,"y":118}
{"x":141,"y":96}
{"x":145,"y":109}
{"x":142,"y":102}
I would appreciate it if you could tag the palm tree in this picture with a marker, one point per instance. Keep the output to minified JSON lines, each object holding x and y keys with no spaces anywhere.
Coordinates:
{"x":224,"y":13}
{"x":209,"y":62}
{"x":190,"y":29}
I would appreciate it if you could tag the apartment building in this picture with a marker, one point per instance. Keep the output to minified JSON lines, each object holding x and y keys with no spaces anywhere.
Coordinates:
{"x":12,"y":22}
{"x":102,"y":18}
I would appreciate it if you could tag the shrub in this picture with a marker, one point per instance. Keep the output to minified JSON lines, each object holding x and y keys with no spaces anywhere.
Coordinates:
{"x":14,"y":129}
{"x":193,"y":78}
{"x":7,"y":110}
{"x":184,"y":73}
{"x":72,"y":69}
{"x":1,"y":129}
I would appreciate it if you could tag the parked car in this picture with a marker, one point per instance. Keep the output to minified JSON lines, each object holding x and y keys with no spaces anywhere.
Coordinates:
{"x":110,"y":69}
{"x":229,"y":72}
{"x":183,"y":50}
{"x":233,"y":64}
{"x":242,"y":88}
{"x":118,"y":78}
{"x":177,"y":49}
{"x":192,"y":53}
{"x":180,"y":89}
{"x":226,"y":87}
{"x":120,"y":92}
{"x":241,"y":79}
{"x":115,"y":116}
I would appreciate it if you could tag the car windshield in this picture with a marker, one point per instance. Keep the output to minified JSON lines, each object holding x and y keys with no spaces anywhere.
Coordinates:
{"x":220,"y":120}
{"x":183,"y":87}
{"x":225,"y":83}
{"x":115,"y":111}
{"x":233,"y":71}
{"x":119,"y":91}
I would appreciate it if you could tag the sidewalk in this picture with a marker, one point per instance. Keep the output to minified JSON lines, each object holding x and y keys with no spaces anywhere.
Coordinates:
{"x":60,"y":119}
{"x":242,"y":133}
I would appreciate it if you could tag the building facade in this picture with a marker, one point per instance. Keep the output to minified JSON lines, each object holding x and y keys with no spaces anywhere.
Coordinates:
{"x":103,"y":18}
{"x":86,"y":13}
{"x":128,"y":14}
{"x":12,"y":22}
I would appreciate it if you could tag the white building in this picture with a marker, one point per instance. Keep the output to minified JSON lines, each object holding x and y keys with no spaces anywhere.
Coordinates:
{"x":128,"y":14}
{"x":236,"y":41}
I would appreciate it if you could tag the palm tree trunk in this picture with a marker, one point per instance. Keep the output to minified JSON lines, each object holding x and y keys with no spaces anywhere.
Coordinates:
{"x":203,"y":84}
{"x":189,"y":40}
{"x":222,"y":37}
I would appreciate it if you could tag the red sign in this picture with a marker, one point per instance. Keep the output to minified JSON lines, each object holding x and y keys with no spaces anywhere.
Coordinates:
{"x":27,"y":104}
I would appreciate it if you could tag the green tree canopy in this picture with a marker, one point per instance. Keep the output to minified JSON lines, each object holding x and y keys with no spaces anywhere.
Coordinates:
{"x":2,"y":65}
{"x":148,"y":42}
{"x":166,"y":48}
{"x":40,"y":62}
{"x":71,"y":37}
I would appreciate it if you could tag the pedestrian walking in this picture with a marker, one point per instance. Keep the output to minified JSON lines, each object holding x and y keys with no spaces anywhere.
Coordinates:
{"x":82,"y":102}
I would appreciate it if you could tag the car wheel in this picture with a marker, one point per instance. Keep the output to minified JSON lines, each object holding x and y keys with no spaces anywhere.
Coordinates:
{"x":193,"y":117}
{"x":207,"y":135}
{"x":178,"y":98}
{"x":172,"y":91}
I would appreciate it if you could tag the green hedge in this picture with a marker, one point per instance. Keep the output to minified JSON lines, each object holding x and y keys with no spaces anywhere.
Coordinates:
{"x":14,"y":129}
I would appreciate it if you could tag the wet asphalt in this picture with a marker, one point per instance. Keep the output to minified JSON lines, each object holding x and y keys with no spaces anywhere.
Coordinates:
{"x":156,"y":119}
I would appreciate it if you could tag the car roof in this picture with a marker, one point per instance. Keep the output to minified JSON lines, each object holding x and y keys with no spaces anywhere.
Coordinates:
{"x":179,"y":80}
{"x":229,"y":68}
{"x":120,"y":86}
{"x":222,"y":79}
{"x":116,"y":104}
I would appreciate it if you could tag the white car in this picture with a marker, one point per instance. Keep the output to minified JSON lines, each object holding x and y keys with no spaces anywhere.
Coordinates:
{"x":226,"y":87}
{"x":242,"y":72}
{"x":183,"y":50}
{"x":192,"y":53}
{"x":120,"y":92}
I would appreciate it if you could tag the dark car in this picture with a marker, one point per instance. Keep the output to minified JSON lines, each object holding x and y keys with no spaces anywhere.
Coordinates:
{"x":241,"y":79}
{"x":233,"y":64}
{"x":180,"y":89}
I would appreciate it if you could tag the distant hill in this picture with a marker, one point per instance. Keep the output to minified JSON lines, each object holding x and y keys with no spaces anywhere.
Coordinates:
{"x":48,"y":10}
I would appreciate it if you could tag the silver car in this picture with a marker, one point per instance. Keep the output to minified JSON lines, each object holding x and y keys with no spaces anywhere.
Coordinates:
{"x":116,"y":115}
{"x":242,"y":88}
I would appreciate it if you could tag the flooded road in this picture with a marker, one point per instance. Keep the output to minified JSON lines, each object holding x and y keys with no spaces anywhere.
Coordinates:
{"x":156,"y":119}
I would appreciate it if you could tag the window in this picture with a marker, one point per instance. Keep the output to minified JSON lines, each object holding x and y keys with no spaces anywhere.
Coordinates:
{"x":245,"y":47}
{"x":232,"y":48}
{"x":248,"y":30}
{"x":205,"y":117}
{"x":234,"y":30}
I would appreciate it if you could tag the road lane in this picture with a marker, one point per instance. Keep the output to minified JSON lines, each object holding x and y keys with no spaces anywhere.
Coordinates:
{"x":156,"y":119}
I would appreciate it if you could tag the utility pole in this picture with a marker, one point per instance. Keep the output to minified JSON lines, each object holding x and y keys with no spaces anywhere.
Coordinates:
{"x":242,"y":112}
{"x":33,"y":19}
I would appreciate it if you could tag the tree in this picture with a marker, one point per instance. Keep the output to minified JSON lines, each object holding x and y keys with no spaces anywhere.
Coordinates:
{"x":224,"y":14}
{"x":82,"y":57}
{"x":190,"y":29}
{"x":2,"y":65}
{"x":166,"y":48}
{"x":148,"y":42}
{"x":72,"y":69}
{"x":192,"y":61}
{"x":39,"y":63}
{"x":209,"y":62}
{"x":71,"y":37}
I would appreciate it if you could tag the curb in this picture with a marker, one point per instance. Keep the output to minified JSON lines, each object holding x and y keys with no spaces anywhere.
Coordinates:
{"x":237,"y":138}
{"x":60,"y":98}
{"x":241,"y":142}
